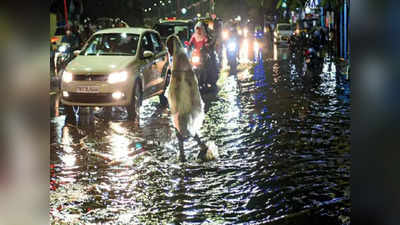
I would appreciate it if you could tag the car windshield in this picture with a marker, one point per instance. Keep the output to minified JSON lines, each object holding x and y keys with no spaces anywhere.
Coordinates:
{"x":284,"y":27}
{"x":112,"y":44}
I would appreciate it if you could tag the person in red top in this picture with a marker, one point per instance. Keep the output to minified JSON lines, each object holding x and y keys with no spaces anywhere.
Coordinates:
{"x":199,"y":38}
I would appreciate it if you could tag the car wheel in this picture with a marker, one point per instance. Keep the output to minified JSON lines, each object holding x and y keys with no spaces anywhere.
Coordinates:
{"x":134,"y":107}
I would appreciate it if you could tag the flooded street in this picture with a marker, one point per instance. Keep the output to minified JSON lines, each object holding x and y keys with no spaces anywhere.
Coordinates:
{"x":282,"y":147}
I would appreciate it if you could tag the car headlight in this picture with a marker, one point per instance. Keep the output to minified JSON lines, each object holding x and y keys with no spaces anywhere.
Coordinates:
{"x":232,"y":46}
{"x":117,"y":77}
{"x":67,"y":77}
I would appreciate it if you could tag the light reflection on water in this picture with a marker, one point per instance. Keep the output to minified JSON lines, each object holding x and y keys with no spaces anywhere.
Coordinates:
{"x":284,"y":157}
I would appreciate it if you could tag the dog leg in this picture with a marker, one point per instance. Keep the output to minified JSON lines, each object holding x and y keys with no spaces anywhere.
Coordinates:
{"x":181,"y":149}
{"x":203,"y":148}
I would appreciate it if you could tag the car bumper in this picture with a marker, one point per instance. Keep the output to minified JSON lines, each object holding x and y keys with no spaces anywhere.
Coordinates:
{"x":100,"y":94}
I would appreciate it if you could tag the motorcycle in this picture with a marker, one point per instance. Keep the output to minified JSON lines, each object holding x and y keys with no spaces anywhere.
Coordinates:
{"x":62,"y":57}
{"x":205,"y":66}
{"x":312,"y":59}
{"x":232,"y":51}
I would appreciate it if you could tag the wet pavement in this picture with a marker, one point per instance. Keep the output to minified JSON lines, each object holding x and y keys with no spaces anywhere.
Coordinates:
{"x":281,"y":135}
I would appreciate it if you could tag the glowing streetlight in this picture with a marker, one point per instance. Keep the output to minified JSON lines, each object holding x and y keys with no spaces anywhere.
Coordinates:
{"x":183,"y":10}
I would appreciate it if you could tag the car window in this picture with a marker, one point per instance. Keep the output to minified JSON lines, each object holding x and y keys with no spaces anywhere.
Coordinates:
{"x":112,"y":44}
{"x":156,"y":43}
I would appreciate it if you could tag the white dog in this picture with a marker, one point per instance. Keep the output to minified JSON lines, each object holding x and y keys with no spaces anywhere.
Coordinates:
{"x":186,"y":105}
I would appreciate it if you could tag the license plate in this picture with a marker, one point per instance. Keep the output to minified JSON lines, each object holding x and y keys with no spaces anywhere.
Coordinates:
{"x":88,"y":89}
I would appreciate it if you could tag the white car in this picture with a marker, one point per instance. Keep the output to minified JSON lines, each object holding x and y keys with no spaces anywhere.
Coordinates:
{"x":282,"y":32}
{"x":117,"y":67}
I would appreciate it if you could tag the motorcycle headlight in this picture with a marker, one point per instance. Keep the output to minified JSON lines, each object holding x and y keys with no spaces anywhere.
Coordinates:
{"x":196,"y":59}
{"x":232,"y":46}
{"x":117,"y":77}
{"x":66,"y":77}
{"x":62,"y":48}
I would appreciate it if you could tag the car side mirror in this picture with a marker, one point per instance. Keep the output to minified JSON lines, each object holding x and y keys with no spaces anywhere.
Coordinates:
{"x":76,"y":52}
{"x":148,"y":54}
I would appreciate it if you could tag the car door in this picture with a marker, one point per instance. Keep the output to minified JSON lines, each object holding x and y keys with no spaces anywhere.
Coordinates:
{"x":160,"y":63}
{"x":147,"y":64}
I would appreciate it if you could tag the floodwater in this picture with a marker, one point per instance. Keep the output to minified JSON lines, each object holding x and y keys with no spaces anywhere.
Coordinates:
{"x":280,"y":135}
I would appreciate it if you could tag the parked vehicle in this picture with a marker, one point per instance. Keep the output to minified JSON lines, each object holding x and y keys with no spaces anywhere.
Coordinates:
{"x":117,"y":67}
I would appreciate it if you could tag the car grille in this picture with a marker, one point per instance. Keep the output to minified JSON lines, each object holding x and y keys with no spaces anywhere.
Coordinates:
{"x":86,"y":77}
{"x":90,"y":97}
